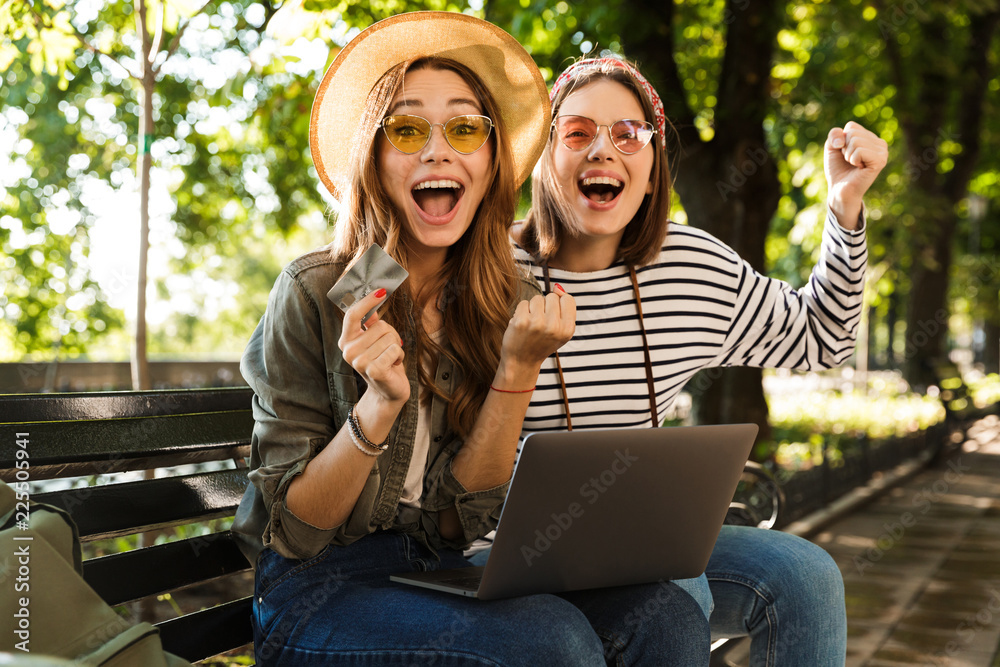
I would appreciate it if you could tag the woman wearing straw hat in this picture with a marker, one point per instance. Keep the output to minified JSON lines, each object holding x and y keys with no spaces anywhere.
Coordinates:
{"x":656,"y":302}
{"x":385,"y":445}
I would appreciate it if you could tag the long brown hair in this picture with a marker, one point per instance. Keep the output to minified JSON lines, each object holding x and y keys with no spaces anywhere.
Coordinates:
{"x":477,"y":286}
{"x":552,"y":216}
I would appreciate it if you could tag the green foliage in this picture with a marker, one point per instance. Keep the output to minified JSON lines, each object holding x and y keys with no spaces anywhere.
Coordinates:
{"x":130,"y":542}
{"x":806,"y":422}
{"x":856,"y":413}
{"x":239,"y":183}
{"x":51,"y":303}
{"x":985,"y":390}
{"x":810,"y":424}
{"x":231,"y":144}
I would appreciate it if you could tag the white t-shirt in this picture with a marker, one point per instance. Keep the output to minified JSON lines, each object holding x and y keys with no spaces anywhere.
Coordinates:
{"x":413,"y":486}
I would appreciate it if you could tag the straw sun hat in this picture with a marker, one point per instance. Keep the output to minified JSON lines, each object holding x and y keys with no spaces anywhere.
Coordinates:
{"x":502,"y":64}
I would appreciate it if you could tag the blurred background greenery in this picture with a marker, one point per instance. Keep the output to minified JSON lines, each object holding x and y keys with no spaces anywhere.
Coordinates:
{"x":752,"y":89}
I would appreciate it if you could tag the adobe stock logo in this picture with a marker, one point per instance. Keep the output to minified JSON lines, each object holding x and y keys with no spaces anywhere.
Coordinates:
{"x":591,"y":491}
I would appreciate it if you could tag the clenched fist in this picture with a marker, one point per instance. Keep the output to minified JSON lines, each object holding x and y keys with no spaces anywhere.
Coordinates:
{"x":853,"y":159}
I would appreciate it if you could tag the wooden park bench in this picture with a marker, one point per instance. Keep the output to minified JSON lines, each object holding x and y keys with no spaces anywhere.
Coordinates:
{"x":115,"y":434}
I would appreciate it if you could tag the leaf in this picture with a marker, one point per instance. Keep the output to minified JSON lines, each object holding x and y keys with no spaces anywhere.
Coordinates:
{"x":186,"y":8}
{"x":7,"y":56}
{"x":290,"y":22}
{"x":59,"y":48}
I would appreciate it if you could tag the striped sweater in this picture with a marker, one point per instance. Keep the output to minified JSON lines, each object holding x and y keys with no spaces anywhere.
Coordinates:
{"x":704,"y":307}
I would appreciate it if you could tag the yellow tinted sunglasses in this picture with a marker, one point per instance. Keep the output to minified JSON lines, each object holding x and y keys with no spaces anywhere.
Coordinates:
{"x":409,"y":134}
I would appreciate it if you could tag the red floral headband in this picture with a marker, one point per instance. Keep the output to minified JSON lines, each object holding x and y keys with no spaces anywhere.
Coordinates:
{"x":590,"y":63}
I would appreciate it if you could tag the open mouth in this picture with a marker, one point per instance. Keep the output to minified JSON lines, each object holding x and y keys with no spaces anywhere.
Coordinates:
{"x":437,"y":198}
{"x":601,"y":189}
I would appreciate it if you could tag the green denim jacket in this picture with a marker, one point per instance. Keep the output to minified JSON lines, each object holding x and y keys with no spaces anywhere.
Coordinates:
{"x":303,"y":390}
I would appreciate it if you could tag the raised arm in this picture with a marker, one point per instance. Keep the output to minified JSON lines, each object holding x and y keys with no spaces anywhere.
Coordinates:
{"x":775,"y":326}
{"x":538,"y":328}
{"x":815,"y":327}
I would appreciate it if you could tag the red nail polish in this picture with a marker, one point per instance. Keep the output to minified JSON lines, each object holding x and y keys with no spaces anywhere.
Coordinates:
{"x":379,"y":294}
{"x":560,"y":288}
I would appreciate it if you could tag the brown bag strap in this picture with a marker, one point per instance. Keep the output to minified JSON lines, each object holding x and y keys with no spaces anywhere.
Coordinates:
{"x":645,"y":349}
{"x":562,"y":380}
{"x":654,"y":416}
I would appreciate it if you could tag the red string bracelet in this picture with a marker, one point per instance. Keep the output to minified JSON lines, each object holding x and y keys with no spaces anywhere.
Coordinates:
{"x":512,"y":391}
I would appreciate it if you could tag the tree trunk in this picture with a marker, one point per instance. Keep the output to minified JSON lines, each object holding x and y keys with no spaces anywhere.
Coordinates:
{"x":140,"y":363}
{"x":872,"y":343}
{"x":991,"y":346}
{"x":926,"y":125}
{"x":927,"y":309}
{"x":740,"y":219}
{"x":891,"y":318}
{"x":729,"y":184}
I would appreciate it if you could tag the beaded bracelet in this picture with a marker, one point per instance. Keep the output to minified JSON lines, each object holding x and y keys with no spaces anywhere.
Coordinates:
{"x":361,"y":448}
{"x":358,"y":436}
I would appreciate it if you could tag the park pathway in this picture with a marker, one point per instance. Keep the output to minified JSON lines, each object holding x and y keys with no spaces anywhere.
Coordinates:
{"x":921,"y":564}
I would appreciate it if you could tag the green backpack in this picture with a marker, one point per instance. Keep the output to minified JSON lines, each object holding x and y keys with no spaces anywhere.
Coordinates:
{"x":47,"y":610}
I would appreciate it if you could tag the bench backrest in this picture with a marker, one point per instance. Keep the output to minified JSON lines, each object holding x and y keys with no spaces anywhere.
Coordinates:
{"x":113,"y":433}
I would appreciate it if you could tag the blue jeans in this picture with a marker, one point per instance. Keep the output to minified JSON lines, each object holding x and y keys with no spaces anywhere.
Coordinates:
{"x":339,"y":608}
{"x":785,"y":592}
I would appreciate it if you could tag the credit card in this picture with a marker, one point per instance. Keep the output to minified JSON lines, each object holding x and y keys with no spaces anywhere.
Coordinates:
{"x":374,"y":270}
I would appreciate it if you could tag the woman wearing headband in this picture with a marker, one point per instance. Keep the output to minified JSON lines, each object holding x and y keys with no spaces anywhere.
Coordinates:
{"x":384,"y":443}
{"x":657,"y":301}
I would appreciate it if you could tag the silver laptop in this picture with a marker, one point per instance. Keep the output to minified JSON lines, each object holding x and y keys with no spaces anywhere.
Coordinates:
{"x":596,"y":508}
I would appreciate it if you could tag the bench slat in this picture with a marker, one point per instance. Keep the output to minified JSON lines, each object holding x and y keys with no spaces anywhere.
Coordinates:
{"x":209,"y":632}
{"x":113,"y":510}
{"x":18,"y":408}
{"x":84,"y":468}
{"x":162,"y":568}
{"x":113,"y":445}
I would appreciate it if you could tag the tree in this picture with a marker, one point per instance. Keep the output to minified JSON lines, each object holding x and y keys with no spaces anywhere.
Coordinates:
{"x":47,"y":28}
{"x":728,"y":181}
{"x":69,"y":87}
{"x":975,"y":285}
{"x":752,"y":87}
{"x":50,"y":299}
{"x":940,"y":109}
